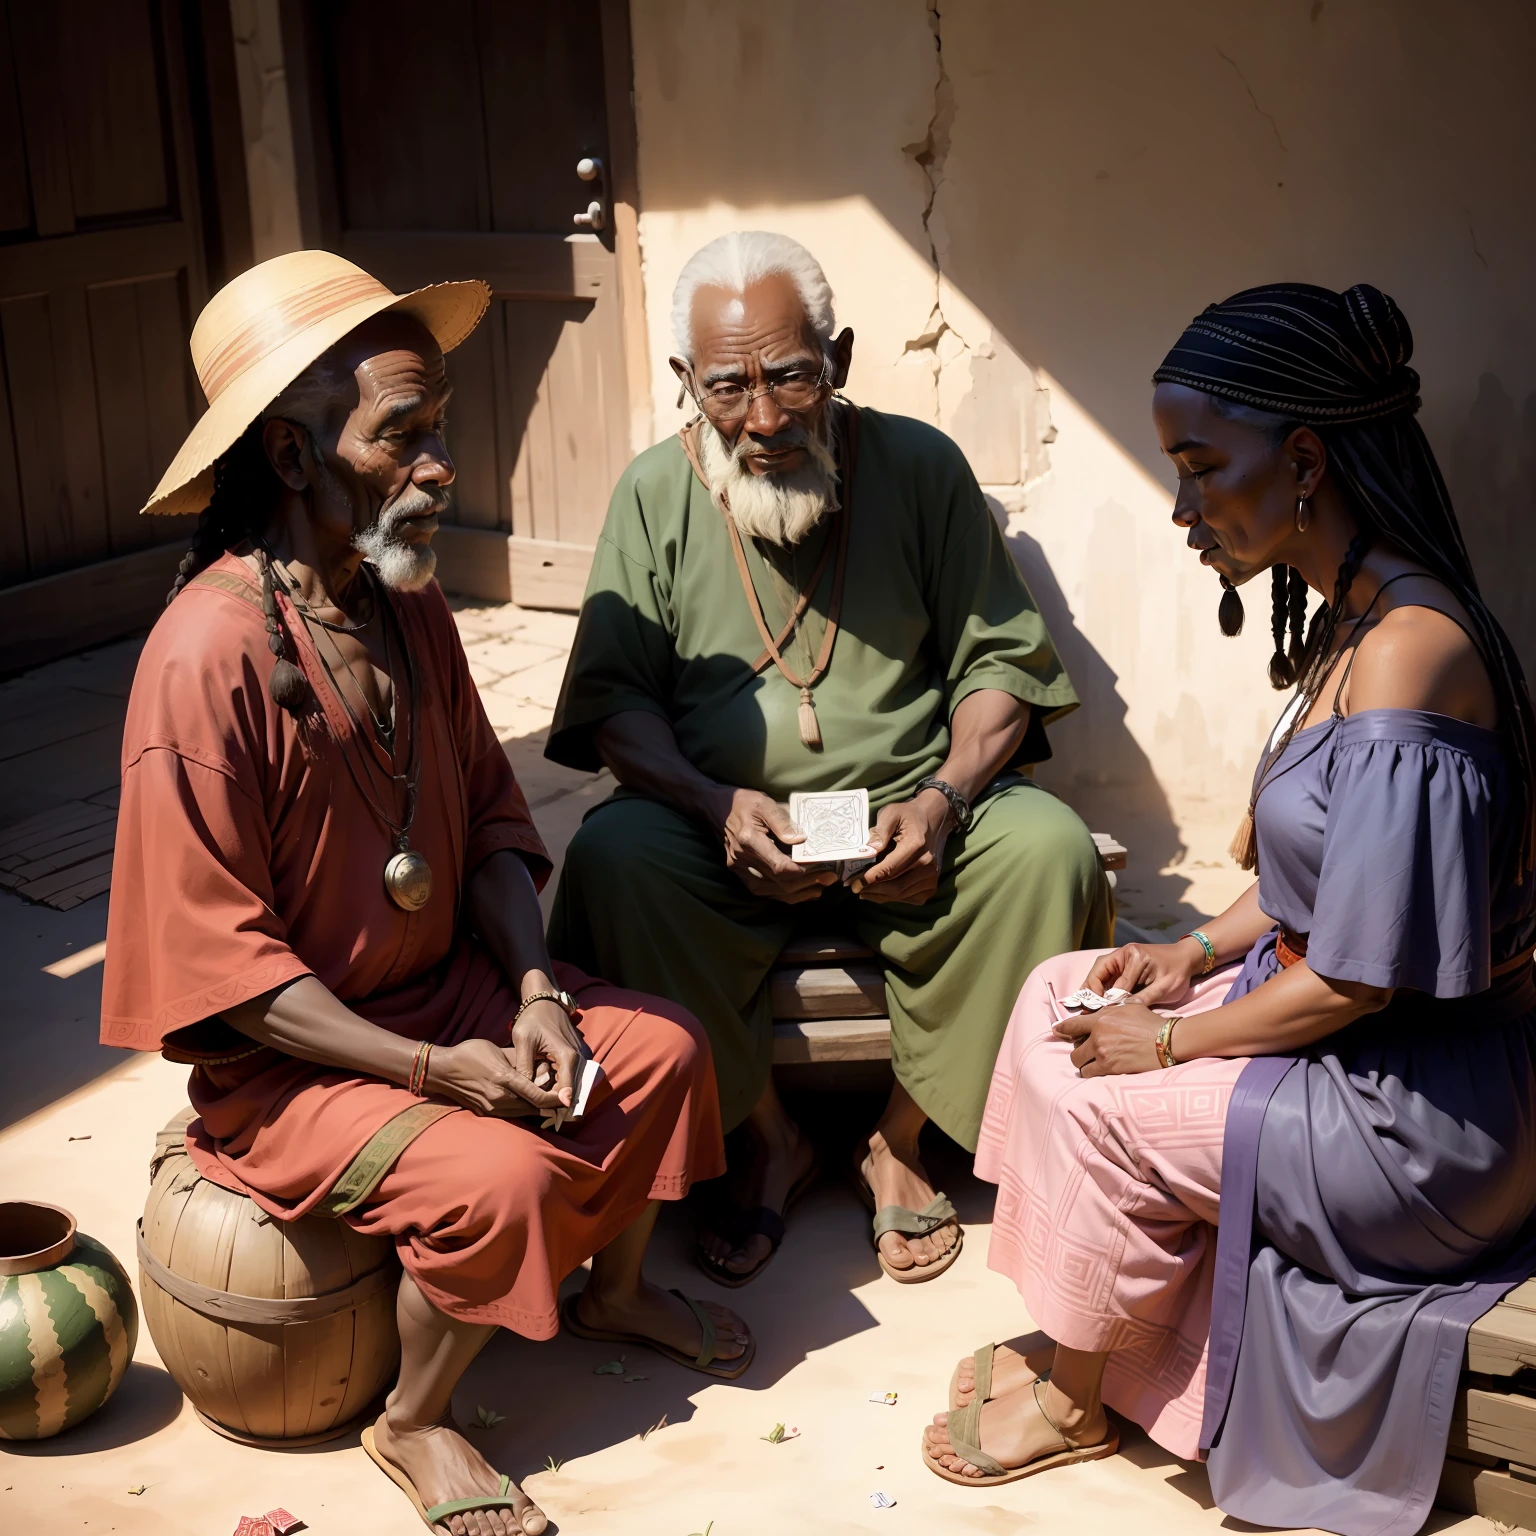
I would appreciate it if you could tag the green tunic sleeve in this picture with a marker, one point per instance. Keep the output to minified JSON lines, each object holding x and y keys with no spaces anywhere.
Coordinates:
{"x":624,"y":654}
{"x":986,"y":626}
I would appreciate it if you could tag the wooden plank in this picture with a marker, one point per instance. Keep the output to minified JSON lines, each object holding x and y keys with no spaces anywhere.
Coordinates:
{"x":1502,"y":1341}
{"x":516,"y":266}
{"x":474,"y":562}
{"x":1494,"y":1423}
{"x":798,"y":1041}
{"x":15,"y":196}
{"x":78,"y":895}
{"x":168,"y":393}
{"x":74,"y":610}
{"x":1492,"y":1492}
{"x":104,"y":256}
{"x":40,"y":63}
{"x":13,"y":534}
{"x":856,"y":990}
{"x":63,"y":853}
{"x":1523,"y":1296}
{"x":63,"y":881}
{"x":127,"y":471}
{"x":78,"y":815}
{"x":820,"y":948}
{"x":36,"y":409}
{"x":548,"y":574}
{"x":1112,"y":855}
{"x":80,"y":428}
{"x":472,"y":434}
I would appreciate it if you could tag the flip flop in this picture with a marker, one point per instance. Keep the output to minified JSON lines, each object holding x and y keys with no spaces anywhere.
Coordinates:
{"x":437,"y":1514}
{"x":897,"y":1218}
{"x":964,"y":1427}
{"x":760,"y":1220}
{"x":726,"y":1370}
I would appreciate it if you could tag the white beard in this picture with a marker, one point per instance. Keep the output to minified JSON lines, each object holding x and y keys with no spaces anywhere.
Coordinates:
{"x":782,"y":508}
{"x":402,"y":565}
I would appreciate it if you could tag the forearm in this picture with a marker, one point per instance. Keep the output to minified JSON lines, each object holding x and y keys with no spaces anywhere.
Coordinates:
{"x":1233,"y":933}
{"x":641,"y":752}
{"x":503,"y":908}
{"x":984,"y":733}
{"x":1289,"y":1011}
{"x":305,"y":1019}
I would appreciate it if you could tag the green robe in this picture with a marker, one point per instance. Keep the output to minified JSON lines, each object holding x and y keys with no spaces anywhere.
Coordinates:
{"x":934,"y":609}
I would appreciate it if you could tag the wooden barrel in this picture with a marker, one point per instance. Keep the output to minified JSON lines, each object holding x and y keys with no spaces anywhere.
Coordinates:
{"x":282,"y":1333}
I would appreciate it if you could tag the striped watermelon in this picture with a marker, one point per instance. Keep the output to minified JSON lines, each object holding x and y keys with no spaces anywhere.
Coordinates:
{"x":66,"y":1337}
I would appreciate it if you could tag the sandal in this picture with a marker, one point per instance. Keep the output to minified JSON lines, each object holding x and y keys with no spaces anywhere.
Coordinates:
{"x":964,"y":1428}
{"x":897,"y":1218}
{"x":439,"y":1514}
{"x":726,"y":1370}
{"x":761,"y":1220}
{"x":983,"y":1393}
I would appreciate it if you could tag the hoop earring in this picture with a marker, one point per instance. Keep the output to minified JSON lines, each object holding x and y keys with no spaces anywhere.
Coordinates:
{"x":1301,"y":512}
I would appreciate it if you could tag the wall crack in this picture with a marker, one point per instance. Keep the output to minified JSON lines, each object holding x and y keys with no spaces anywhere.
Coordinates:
{"x":1268,"y":117}
{"x":930,"y":154}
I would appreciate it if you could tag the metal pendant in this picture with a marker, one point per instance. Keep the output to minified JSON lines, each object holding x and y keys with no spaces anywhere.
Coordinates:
{"x":408,"y":880}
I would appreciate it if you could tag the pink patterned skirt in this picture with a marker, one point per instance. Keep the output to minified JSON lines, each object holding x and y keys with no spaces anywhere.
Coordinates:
{"x":1107,"y":1201}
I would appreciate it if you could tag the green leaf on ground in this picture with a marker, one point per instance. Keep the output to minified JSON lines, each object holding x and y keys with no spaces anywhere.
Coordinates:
{"x":612,"y":1368}
{"x":705,"y":1532}
{"x":140,"y":1489}
{"x":774,"y":1435}
{"x":488,"y":1418}
{"x":551,"y":1465}
{"x":660,"y":1423}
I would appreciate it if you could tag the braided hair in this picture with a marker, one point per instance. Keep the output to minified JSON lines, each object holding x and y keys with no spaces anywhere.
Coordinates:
{"x":1291,"y":354}
{"x":245,"y":491}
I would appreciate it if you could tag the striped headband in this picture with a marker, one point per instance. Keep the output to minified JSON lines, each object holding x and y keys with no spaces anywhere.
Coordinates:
{"x":1304,"y":352}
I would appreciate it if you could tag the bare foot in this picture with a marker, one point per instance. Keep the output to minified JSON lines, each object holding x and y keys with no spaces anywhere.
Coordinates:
{"x":1014,"y":1432}
{"x":1011,"y":1369}
{"x":656,"y":1314}
{"x":896,"y":1177}
{"x":444,"y":1465}
{"x":783,"y":1158}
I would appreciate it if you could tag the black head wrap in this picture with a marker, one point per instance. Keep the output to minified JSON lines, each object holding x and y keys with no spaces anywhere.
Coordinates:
{"x":1338,"y":362}
{"x":1307,"y":353}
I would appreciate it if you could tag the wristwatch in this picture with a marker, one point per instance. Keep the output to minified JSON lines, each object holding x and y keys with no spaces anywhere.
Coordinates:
{"x":959,"y":806}
{"x":566,"y":1001}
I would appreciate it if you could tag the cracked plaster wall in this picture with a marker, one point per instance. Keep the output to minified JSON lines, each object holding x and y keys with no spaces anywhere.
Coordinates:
{"x":1019,"y":204}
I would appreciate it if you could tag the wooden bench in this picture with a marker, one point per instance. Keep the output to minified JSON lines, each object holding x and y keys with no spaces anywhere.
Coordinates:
{"x":1490,"y":1463}
{"x":829,"y":994}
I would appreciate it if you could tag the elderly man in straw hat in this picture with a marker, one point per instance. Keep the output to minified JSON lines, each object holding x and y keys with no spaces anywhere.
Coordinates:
{"x":324,"y":895}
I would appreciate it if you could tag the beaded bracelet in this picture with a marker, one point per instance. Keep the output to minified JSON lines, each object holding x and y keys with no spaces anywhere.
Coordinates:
{"x":1209,"y":948}
{"x":417,"y":1082}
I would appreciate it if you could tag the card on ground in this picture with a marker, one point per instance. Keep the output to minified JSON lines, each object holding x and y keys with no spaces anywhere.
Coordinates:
{"x":835,"y":824}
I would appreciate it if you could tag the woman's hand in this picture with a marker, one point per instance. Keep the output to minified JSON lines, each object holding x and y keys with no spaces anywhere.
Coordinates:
{"x":1120,"y":1038}
{"x":1156,"y":973}
{"x":487,"y":1079}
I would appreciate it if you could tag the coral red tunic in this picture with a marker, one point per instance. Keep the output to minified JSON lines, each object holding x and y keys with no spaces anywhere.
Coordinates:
{"x":247,"y":856}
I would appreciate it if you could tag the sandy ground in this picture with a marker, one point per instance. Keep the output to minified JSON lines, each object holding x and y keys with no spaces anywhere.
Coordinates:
{"x":81,"y":1121}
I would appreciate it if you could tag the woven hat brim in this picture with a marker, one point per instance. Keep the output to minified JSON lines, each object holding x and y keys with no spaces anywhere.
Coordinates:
{"x":451,"y":311}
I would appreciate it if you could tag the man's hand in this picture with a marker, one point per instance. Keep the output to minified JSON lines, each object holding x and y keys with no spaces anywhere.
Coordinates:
{"x":486,"y":1078}
{"x":1120,"y":1038}
{"x":756,"y":830}
{"x":910,"y":839}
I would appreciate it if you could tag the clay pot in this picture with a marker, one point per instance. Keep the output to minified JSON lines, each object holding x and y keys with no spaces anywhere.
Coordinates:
{"x":282,"y":1333}
{"x":68,"y":1322}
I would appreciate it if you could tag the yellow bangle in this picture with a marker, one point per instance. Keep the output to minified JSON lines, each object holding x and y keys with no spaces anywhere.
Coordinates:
{"x":1164,"y":1043}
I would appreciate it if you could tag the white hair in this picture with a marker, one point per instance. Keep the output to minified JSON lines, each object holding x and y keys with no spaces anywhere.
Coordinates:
{"x":741,"y":258}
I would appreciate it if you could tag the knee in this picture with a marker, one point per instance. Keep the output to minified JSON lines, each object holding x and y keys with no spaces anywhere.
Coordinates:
{"x":1049,"y":837}
{"x":610,"y":850}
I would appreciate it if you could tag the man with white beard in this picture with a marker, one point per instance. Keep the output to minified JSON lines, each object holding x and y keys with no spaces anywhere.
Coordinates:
{"x":795,"y":594}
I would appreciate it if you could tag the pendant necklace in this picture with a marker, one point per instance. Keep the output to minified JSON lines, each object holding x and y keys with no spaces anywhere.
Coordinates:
{"x":407,"y":874}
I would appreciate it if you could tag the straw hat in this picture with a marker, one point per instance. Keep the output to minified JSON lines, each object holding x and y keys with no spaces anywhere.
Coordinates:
{"x":257,"y":334}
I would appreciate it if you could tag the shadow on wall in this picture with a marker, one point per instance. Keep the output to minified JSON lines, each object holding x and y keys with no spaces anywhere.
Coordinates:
{"x":1098,"y":766}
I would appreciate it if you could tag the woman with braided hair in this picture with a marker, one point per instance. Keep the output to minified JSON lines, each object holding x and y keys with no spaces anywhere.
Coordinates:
{"x":1256,"y":1198}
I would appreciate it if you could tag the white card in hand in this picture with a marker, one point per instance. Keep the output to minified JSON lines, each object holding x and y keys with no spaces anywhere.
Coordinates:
{"x":588,"y":1075}
{"x":835,"y":824}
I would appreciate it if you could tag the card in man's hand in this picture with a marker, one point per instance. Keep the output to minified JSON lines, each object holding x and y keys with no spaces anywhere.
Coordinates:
{"x":835,"y":824}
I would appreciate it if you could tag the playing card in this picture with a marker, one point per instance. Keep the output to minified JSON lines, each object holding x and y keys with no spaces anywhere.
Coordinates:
{"x":587,"y":1078}
{"x":1091,"y":1001}
{"x":835,"y":824}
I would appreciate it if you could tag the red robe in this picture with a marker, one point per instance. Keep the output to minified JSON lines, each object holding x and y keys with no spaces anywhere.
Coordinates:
{"x":247,"y":857}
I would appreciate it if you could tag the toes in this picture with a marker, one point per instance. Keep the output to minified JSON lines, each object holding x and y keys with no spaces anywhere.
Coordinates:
{"x":897,"y":1250}
{"x":534,"y":1522}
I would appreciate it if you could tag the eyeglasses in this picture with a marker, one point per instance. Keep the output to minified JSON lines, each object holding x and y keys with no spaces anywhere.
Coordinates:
{"x":796,"y":391}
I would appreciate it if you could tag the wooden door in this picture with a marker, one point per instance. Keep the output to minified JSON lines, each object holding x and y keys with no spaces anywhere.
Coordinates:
{"x":102,"y":267}
{"x":461,"y":162}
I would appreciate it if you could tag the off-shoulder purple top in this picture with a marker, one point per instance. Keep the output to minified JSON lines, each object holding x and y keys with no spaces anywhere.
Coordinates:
{"x":1379,"y":1192}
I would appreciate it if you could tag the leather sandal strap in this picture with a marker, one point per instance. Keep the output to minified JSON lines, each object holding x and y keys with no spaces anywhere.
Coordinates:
{"x":897,"y":1218}
{"x":964,"y":1429}
{"x":983,"y":1359}
{"x":706,"y":1327}
{"x":501,"y":1499}
{"x":1066,"y":1439}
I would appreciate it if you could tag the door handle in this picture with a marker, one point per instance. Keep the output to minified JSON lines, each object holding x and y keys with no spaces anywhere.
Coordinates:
{"x":590,"y":168}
